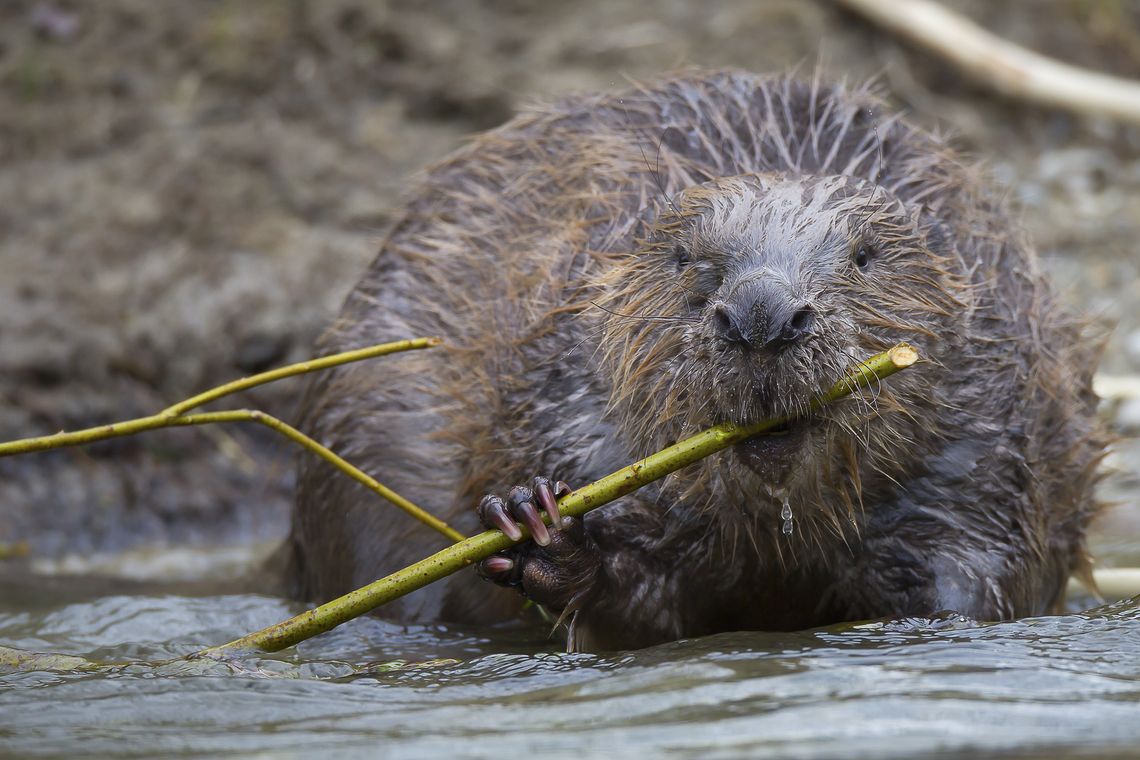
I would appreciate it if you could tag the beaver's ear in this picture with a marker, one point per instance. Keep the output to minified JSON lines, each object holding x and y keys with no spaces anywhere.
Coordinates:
{"x":936,"y":233}
{"x":645,"y":222}
{"x":657,"y":221}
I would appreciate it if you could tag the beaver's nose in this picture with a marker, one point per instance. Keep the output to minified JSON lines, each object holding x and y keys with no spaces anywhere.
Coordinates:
{"x":762,"y":322}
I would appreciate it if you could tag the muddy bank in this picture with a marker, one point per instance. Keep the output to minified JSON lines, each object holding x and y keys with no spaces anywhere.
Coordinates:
{"x":187,"y":190}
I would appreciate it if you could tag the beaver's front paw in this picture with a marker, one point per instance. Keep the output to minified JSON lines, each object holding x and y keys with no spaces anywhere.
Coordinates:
{"x":560,"y":567}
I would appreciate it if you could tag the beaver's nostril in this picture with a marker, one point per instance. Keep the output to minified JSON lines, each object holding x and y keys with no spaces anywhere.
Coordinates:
{"x":802,"y":321}
{"x":725,"y":326}
{"x":798,"y":325}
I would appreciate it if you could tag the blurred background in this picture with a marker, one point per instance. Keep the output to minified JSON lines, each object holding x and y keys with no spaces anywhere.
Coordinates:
{"x":189,"y":189}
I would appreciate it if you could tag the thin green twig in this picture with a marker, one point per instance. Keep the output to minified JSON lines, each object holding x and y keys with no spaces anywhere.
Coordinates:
{"x":300,"y":368}
{"x":175,"y":416}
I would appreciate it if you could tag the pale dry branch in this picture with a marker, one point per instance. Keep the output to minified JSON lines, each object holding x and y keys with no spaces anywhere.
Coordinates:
{"x":998,"y":63}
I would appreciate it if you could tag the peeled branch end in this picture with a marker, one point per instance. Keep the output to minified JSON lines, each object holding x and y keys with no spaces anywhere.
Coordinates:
{"x":903,"y":355}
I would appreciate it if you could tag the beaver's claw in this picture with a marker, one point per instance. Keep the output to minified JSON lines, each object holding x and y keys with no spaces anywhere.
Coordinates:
{"x":520,"y":506}
{"x":559,"y":565}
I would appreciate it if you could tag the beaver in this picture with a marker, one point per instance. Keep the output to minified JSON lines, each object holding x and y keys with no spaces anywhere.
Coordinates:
{"x":614,"y":272}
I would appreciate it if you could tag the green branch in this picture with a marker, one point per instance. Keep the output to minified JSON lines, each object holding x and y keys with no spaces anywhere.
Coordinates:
{"x":175,"y":416}
{"x":474,"y":549}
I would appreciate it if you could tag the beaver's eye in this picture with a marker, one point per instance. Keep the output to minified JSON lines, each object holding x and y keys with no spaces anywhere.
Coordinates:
{"x":681,"y":256}
{"x":863,"y":255}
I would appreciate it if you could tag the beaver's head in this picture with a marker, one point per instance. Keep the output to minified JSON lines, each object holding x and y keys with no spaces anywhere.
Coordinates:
{"x":750,"y":295}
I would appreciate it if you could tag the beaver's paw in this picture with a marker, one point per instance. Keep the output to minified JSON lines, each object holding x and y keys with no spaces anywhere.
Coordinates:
{"x":559,"y":567}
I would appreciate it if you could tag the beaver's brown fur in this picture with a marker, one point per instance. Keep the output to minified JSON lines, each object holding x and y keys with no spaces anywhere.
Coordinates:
{"x":614,"y":272}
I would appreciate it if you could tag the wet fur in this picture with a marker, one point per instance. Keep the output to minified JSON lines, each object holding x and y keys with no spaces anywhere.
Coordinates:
{"x":546,"y":254}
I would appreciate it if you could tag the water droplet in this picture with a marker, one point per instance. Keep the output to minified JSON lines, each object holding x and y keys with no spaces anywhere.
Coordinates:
{"x":786,"y":512}
{"x":786,"y":516}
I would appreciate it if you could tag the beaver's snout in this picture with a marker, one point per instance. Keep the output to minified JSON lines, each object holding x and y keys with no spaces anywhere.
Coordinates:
{"x":762,"y":312}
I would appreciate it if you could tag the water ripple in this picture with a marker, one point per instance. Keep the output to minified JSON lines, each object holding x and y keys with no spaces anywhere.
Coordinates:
{"x":1065,"y":684}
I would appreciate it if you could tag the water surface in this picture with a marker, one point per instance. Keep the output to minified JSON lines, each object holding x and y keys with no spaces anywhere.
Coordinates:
{"x":1064,"y":686}
{"x":1058,"y":686}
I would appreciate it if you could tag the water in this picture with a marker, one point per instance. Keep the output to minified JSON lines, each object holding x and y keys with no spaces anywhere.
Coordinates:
{"x":1061,"y":686}
{"x":1065,"y":686}
{"x":786,"y":516}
